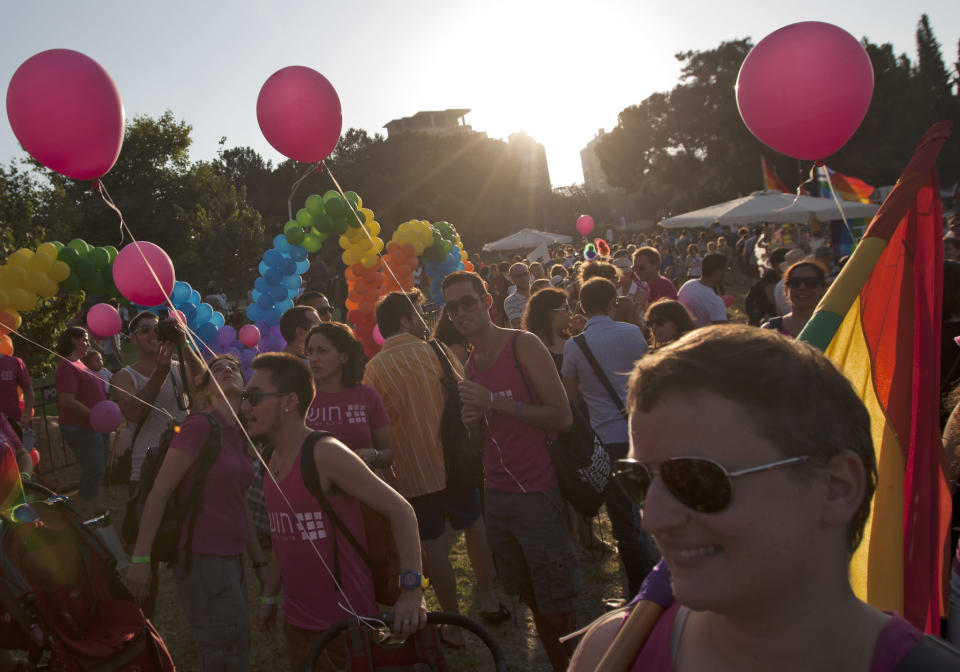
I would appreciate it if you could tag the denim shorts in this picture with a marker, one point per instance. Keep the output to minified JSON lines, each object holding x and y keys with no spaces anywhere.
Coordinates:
{"x":92,"y":449}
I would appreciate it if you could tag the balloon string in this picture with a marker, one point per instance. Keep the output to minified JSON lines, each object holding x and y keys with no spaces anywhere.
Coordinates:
{"x":101,"y":189}
{"x":836,"y":199}
{"x":296,"y":185}
{"x":196,"y":343}
{"x":383,"y":263}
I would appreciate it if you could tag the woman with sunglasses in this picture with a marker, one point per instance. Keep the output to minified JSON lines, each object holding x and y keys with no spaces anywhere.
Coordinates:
{"x":547,"y":315}
{"x":668,"y":320}
{"x":758,"y":504}
{"x":805,"y":283}
{"x":210,"y":578}
{"x":354,"y":413}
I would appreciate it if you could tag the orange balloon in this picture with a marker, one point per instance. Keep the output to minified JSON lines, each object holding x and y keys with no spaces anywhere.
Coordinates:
{"x":6,"y":345}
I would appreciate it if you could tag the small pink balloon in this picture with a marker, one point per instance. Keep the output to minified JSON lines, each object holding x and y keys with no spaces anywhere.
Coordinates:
{"x":178,"y":316}
{"x":249,"y":335}
{"x":377,"y":336}
{"x":67,"y":113}
{"x":134,"y":279}
{"x":805,"y":88}
{"x":299,"y":113}
{"x":104,"y":320}
{"x":728,"y":300}
{"x":584,"y":225}
{"x":105,"y":416}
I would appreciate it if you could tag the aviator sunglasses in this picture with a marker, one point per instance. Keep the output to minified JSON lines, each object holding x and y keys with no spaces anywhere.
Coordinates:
{"x":696,"y":482}
{"x":809,"y":283}
{"x":468,"y":302}
{"x":254,"y":396}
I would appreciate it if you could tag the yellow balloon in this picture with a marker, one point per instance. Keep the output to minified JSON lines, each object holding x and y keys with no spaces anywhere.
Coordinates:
{"x":378,"y":243}
{"x":39,"y":262}
{"x":20,"y":258}
{"x":19,"y":298}
{"x":48,"y":250}
{"x":16,"y":276}
{"x":348,"y":258}
{"x":373,"y":227}
{"x":4,"y":300}
{"x":30,"y":302}
{"x":7,"y":316}
{"x":344,"y":243}
{"x":48,"y":289}
{"x":417,"y":247}
{"x":367,"y":215}
{"x":369,"y":260}
{"x":36,"y":280}
{"x":59,"y":271}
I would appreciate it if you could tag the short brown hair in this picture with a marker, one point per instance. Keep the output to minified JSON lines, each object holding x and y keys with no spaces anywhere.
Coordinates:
{"x":596,"y":295}
{"x":395,"y":306}
{"x":465,"y":276}
{"x":289,"y":374}
{"x":599,"y":269}
{"x":749,"y":366}
{"x":650,"y":253}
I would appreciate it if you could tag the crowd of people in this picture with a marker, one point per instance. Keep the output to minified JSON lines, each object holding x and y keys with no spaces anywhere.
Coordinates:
{"x":754,"y":502}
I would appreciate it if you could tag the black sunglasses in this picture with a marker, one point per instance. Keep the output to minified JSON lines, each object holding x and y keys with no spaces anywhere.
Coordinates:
{"x":468,"y":302}
{"x":809,"y":283}
{"x":696,"y":482}
{"x":254,"y":396}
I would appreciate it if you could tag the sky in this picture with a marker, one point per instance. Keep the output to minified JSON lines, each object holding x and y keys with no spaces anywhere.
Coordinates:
{"x":557,"y":70}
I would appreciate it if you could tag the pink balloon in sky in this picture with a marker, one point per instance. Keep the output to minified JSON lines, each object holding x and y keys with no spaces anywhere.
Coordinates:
{"x":144,"y":273}
{"x":805,"y":88}
{"x":104,"y":320}
{"x":584,"y":225}
{"x":299,"y":113}
{"x":67,"y":113}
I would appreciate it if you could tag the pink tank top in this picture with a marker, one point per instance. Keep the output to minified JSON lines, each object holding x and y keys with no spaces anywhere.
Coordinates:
{"x":310,"y":597}
{"x":515,"y":456}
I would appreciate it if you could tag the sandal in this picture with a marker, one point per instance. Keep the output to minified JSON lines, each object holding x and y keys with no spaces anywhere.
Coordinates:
{"x":499,"y":616}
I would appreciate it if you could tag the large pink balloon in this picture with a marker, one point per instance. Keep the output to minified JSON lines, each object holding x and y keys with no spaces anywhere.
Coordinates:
{"x":105,"y":416}
{"x":249,"y":335}
{"x":299,"y":113}
{"x":584,"y":225}
{"x":133,"y":276}
{"x":804,"y":89}
{"x":104,"y":320}
{"x":67,"y":113}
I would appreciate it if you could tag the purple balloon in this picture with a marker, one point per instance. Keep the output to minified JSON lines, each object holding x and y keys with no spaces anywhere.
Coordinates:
{"x":105,"y":416}
{"x":226,"y":335}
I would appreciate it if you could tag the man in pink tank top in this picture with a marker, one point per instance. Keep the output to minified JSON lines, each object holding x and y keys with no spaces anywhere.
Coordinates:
{"x":512,"y":398}
{"x":275,"y":405}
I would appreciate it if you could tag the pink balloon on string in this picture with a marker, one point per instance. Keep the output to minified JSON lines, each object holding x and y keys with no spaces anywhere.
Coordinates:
{"x":144,"y":273}
{"x":105,"y":416}
{"x":104,"y":320}
{"x":67,"y":113}
{"x":249,"y":335}
{"x":377,"y":336}
{"x":805,"y":88}
{"x":299,"y":113}
{"x":584,"y":225}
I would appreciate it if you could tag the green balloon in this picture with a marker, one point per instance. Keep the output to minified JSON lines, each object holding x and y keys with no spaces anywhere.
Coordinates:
{"x":95,"y":286}
{"x":68,"y":255}
{"x":339,"y":227}
{"x":352,"y":197}
{"x":314,"y":204}
{"x":330,"y":194}
{"x":323,"y":223}
{"x":295,"y":236}
{"x":99,"y":257}
{"x":291,"y":224}
{"x":305,"y":218}
{"x":84,"y":268}
{"x":80,"y":246}
{"x":336,"y":207}
{"x":57,"y":244}
{"x":312,"y":242}
{"x":71,"y":284}
{"x":112,"y":251}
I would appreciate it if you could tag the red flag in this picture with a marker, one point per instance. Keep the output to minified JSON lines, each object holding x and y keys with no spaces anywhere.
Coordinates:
{"x":770,"y":180}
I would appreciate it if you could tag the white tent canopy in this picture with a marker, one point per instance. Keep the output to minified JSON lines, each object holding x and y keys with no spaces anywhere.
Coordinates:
{"x":526,"y":239}
{"x":769,"y":206}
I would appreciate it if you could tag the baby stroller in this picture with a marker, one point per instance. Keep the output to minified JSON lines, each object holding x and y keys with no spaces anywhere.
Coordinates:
{"x":367,"y":652}
{"x":61,"y":599}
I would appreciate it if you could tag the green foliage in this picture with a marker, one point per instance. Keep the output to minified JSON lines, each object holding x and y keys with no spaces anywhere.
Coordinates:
{"x":43,"y":326}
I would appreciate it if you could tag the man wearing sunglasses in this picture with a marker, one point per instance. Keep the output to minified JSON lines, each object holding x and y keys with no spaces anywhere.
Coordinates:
{"x":295,"y":325}
{"x":512,"y":398}
{"x":318,"y":301}
{"x":646,"y":270}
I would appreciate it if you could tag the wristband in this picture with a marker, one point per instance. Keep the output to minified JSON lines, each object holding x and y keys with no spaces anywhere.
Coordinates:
{"x":262,"y":563}
{"x":24,"y":476}
{"x":139,"y":559}
{"x":268,"y":600}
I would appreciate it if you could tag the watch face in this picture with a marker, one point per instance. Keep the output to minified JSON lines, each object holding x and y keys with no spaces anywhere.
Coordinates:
{"x":409,"y":580}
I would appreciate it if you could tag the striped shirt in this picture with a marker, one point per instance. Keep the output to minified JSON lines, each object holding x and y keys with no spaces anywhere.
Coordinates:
{"x":406,"y":373}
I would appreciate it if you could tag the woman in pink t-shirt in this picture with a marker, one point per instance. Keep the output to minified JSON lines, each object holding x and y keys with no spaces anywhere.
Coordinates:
{"x":352,"y":412}
{"x":210,"y":573}
{"x":78,"y":391}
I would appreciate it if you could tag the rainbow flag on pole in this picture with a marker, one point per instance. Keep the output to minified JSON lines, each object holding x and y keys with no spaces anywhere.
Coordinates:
{"x":847,"y":188}
{"x":771,"y":182}
{"x":880,"y":324}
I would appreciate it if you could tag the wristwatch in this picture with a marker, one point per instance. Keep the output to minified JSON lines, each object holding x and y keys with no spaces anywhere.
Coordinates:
{"x":410,"y":580}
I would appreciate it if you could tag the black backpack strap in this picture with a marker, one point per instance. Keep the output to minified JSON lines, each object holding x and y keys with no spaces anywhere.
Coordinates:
{"x":308,"y":470}
{"x":523,"y":374}
{"x":444,"y":362}
{"x":930,"y":654}
{"x":581,"y":340}
{"x":194,"y":502}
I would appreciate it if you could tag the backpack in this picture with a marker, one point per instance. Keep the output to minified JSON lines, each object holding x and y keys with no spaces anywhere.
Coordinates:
{"x":462,"y":463}
{"x":381,"y":554}
{"x":166,"y":543}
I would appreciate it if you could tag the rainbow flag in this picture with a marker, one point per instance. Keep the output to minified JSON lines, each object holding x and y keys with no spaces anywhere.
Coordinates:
{"x":847,"y":188}
{"x":880,"y":324}
{"x":770,"y":180}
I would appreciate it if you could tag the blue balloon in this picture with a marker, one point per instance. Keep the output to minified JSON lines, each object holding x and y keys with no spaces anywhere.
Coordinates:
{"x":292,"y":293}
{"x":298,"y":252}
{"x":278,"y":292}
{"x":218,"y":319}
{"x":281,"y":244}
{"x":256,"y":294}
{"x":207,"y":332}
{"x":262,"y":268}
{"x":261,"y":285}
{"x":189,"y":311}
{"x":194,"y":298}
{"x":288,"y":266}
{"x":181,"y":292}
{"x":291,"y":281}
{"x":303,"y":266}
{"x":204,"y":313}
{"x":265,"y":301}
{"x":284,"y":306}
{"x":273,"y":276}
{"x":254,"y":312}
{"x":272,"y":317}
{"x":272,"y":258}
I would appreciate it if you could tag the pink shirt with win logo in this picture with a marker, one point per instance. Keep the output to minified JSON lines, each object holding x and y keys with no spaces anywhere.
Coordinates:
{"x":310,"y":597}
{"x":349,"y":415}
